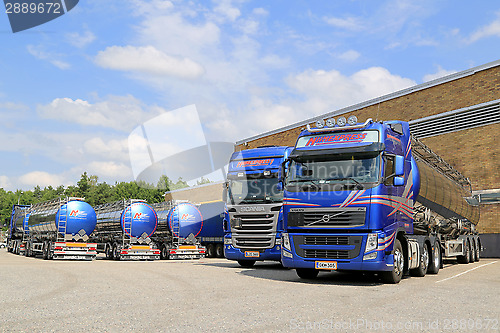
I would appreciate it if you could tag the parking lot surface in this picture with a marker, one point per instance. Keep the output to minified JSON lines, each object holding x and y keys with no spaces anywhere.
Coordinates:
{"x":217,"y":295}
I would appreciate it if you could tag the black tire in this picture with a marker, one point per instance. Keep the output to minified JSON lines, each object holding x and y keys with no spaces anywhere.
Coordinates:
{"x":246,"y":263}
{"x":210,"y":251}
{"x":108,"y":251}
{"x":116,"y":252}
{"x":478,"y":251}
{"x":434,"y":259}
{"x":465,"y":258}
{"x":50,"y":253}
{"x":395,"y":275}
{"x":471,"y":251}
{"x":219,"y":251}
{"x":421,"y":270}
{"x":307,"y":273}
{"x":45,"y":251}
{"x":163,"y":252}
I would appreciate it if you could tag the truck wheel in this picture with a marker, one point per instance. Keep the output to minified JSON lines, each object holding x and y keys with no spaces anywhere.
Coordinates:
{"x":50,"y":253}
{"x":210,"y":251}
{"x":395,"y":275}
{"x":478,"y":251}
{"x":465,"y":258}
{"x":307,"y":273}
{"x":219,"y":251}
{"x":424,"y":262}
{"x":116,"y":252}
{"x":246,"y":263}
{"x":45,"y":251}
{"x":163,"y":252}
{"x":471,"y":251}
{"x":434,"y":259}
{"x":109,"y":251}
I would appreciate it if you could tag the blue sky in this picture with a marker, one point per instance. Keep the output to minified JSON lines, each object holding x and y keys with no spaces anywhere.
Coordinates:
{"x":73,"y":89}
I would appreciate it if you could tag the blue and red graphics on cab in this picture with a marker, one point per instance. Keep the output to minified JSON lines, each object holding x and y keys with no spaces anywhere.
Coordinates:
{"x":254,"y":163}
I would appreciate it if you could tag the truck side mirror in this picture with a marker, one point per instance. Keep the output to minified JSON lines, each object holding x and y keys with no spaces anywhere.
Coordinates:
{"x":399,"y":166}
{"x":399,"y":181}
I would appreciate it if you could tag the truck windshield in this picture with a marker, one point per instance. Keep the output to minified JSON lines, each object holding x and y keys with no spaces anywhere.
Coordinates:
{"x":254,"y":190}
{"x":321,"y":173}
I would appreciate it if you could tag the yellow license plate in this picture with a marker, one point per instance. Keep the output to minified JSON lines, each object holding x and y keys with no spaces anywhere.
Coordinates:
{"x":328,"y":265}
{"x":252,"y":254}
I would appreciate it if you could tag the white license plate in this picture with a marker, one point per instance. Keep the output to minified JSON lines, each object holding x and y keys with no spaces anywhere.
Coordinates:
{"x":75,"y":257}
{"x":252,"y":254}
{"x":329,"y":265}
{"x":138,"y":257}
{"x":189,"y":256}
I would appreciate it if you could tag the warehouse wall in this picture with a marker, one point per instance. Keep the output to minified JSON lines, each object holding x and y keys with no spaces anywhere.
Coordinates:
{"x":474,"y":152}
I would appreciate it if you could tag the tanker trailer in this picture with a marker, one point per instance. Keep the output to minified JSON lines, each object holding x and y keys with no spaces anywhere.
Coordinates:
{"x":178,"y":227}
{"x":18,"y":229}
{"x":124,"y":229}
{"x":60,"y":229}
{"x":444,"y":207}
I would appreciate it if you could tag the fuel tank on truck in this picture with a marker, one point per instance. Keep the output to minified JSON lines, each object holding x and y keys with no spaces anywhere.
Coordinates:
{"x":80,"y":217}
{"x":185,"y":219}
{"x":440,"y":194}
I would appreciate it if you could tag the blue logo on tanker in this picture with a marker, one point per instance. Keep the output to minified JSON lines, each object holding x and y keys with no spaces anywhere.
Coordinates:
{"x":144,"y":219}
{"x":187,"y":219}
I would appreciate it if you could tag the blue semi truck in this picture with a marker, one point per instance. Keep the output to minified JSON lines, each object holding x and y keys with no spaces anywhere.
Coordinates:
{"x":370,"y":197}
{"x":253,"y":221}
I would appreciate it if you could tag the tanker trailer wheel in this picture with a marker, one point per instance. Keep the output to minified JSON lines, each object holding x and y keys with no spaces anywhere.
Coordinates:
{"x":477,"y":250}
{"x":219,"y":251}
{"x":307,"y":273}
{"x":50,"y":253}
{"x":471,"y":251}
{"x":465,"y":258}
{"x":435,"y":259}
{"x":116,"y":252}
{"x":109,"y":251}
{"x":424,"y":263}
{"x":210,"y":251}
{"x":45,"y":250}
{"x":163,"y":252}
{"x":395,"y":275}
{"x":246,"y":263}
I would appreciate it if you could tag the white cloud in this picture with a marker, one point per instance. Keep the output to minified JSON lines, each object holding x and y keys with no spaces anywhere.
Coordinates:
{"x":349,"y":23}
{"x":80,"y":40}
{"x":148,"y":60}
{"x":111,"y":149}
{"x":331,"y":90}
{"x":5,"y":183}
{"x":260,"y":11}
{"x":110,"y":169}
{"x":118,"y":112}
{"x":40,"y":53}
{"x":350,"y":55}
{"x":439,"y":73}
{"x":490,"y":30}
{"x":225,"y":9}
{"x":42,"y":179}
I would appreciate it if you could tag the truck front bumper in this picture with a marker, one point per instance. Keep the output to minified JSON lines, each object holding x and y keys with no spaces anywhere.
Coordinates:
{"x":233,"y":253}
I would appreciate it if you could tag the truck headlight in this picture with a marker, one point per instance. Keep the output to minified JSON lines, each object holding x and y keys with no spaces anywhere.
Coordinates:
{"x":278,"y":241}
{"x":228,"y":241}
{"x":371,"y":242}
{"x":286,"y":242}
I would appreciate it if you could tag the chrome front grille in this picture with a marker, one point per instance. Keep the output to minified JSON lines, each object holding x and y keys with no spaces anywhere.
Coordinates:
{"x":252,"y":230}
{"x":327,"y":217}
{"x":326,"y":240}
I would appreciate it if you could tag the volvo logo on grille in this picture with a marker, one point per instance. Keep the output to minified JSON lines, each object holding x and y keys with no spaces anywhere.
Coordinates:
{"x":326,"y":218}
{"x":252,"y":209}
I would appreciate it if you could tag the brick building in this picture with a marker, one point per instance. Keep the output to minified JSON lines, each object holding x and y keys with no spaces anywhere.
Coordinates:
{"x":457,"y":116}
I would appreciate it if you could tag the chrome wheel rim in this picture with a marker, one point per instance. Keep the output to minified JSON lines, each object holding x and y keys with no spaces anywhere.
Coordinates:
{"x":436,"y":257}
{"x":424,"y":260}
{"x":398,"y":262}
